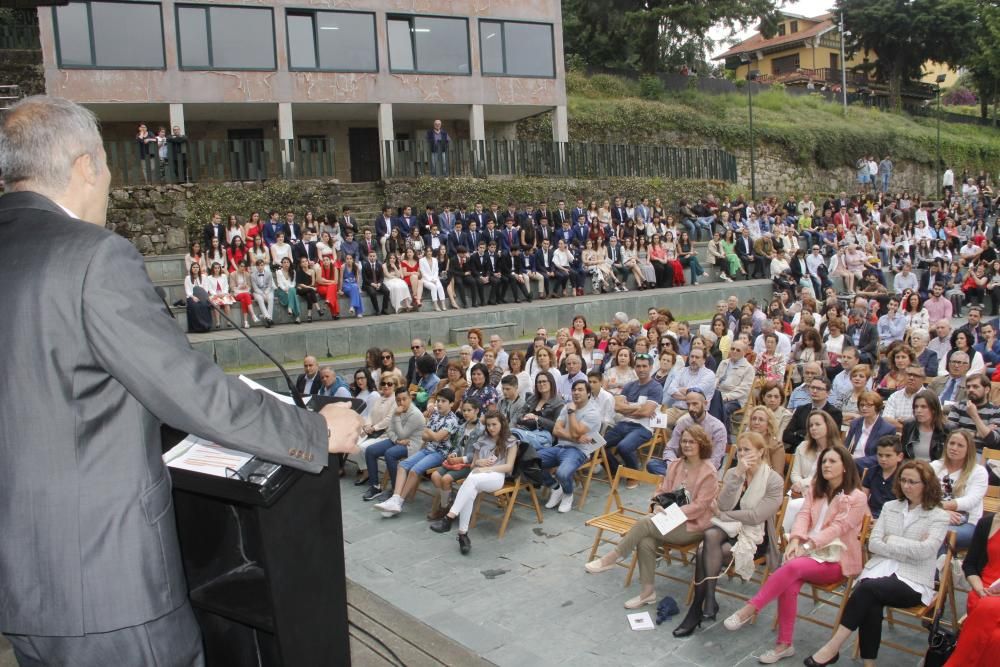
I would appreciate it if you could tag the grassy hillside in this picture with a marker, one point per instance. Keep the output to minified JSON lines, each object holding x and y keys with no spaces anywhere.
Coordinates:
{"x":807,"y":128}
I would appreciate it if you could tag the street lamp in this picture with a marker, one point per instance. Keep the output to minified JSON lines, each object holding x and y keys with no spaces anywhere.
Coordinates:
{"x":751,"y":76}
{"x":843,"y":63}
{"x":939,"y":80}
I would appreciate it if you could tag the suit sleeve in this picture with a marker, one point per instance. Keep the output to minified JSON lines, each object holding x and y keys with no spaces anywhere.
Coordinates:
{"x":135,"y":341}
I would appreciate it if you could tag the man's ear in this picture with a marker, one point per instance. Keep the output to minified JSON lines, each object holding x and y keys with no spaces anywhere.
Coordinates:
{"x":84,"y":166}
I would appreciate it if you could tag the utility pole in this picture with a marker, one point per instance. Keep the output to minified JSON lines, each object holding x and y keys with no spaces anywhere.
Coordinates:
{"x":843,"y":65}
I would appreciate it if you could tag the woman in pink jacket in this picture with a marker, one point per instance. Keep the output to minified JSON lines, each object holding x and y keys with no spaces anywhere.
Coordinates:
{"x":824,"y":546}
{"x":693,"y":474}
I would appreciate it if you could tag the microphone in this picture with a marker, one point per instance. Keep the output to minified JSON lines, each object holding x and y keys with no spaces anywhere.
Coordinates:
{"x":202,"y":295}
{"x":162,"y":293}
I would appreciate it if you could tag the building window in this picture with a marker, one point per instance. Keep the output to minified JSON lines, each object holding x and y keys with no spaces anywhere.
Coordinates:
{"x":785,"y":64}
{"x":793,"y":26}
{"x":514,"y":48}
{"x":428,"y":45}
{"x":115,"y":35}
{"x":332,"y":41}
{"x":233,"y":38}
{"x":781,"y":30}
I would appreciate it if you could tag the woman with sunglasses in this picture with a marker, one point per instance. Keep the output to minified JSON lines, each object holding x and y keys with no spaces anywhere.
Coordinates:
{"x":388,"y":367}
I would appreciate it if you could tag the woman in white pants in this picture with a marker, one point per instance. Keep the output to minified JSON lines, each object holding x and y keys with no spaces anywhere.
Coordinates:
{"x":432,"y":281}
{"x":492,"y":461}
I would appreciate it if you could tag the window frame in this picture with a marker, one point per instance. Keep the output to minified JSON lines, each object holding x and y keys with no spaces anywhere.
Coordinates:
{"x":90,"y":33}
{"x":503,"y":37}
{"x":208,"y":38}
{"x":395,"y":16}
{"x":312,"y":11}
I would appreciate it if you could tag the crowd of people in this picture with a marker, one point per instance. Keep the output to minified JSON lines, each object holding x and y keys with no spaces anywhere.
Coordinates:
{"x":812,"y":419}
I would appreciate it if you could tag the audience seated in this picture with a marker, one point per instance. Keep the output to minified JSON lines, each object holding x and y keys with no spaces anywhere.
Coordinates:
{"x":980,"y":633}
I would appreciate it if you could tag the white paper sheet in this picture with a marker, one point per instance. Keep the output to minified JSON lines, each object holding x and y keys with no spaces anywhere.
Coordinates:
{"x":668,"y":519}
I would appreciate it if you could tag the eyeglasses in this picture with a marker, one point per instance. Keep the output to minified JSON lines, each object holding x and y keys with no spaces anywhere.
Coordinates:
{"x":387,"y":356}
{"x":387,"y":384}
{"x":817,"y":388}
{"x":910,"y":482}
{"x":416,"y":347}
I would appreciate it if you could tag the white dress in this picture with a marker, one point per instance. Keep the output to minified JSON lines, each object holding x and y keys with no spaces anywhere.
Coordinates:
{"x":399,"y":291}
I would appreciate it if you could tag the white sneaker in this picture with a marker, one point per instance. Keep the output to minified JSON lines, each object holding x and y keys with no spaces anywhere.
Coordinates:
{"x":556,"y":497}
{"x":392,"y":506}
{"x":566,"y":504}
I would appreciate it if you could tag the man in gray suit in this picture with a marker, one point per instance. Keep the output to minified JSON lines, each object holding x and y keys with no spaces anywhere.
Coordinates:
{"x":90,"y":570}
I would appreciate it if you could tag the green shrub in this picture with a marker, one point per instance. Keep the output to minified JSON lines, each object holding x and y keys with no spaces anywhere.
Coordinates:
{"x":651,"y":88}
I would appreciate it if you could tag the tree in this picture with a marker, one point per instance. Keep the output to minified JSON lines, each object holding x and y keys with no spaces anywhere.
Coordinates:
{"x":983,"y":63}
{"x":905,"y":34}
{"x":648,"y":36}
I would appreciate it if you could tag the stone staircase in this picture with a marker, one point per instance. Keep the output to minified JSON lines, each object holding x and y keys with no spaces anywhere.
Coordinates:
{"x":365,"y":200}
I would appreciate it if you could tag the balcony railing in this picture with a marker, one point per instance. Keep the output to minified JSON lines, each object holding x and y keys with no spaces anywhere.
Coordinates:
{"x":218,"y":160}
{"x":408,"y":158}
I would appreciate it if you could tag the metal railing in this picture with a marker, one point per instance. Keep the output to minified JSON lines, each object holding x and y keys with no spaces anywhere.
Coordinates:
{"x":220,"y":160}
{"x":18,"y":36}
{"x":408,"y":158}
{"x":9,"y":94}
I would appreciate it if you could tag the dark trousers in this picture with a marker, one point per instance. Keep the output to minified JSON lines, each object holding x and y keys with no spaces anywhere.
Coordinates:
{"x":173,"y":640}
{"x":519,"y":290}
{"x":373,"y":295}
{"x":465,"y":289}
{"x":556,"y":283}
{"x":863,"y":611}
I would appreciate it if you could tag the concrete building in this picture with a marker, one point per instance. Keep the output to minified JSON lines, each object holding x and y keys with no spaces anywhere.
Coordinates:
{"x":361,"y":72}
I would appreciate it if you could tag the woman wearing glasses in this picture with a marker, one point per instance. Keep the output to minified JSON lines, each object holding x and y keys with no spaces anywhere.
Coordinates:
{"x":389,"y":368}
{"x":900,"y":571}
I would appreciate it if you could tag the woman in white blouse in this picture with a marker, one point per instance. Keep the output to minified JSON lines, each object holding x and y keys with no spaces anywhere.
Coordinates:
{"x":900,"y":571}
{"x":217,"y":286}
{"x":963,"y":484}
{"x":779,"y":264}
{"x":822,"y":432}
{"x":280,"y":250}
{"x":288,"y":297}
{"x":431,"y":278}
{"x":619,"y":375}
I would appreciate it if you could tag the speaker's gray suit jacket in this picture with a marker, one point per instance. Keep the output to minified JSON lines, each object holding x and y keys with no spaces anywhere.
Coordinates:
{"x":92,"y":365}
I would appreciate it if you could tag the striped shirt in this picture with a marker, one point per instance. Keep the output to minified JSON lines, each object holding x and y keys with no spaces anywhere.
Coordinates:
{"x":958,"y":417}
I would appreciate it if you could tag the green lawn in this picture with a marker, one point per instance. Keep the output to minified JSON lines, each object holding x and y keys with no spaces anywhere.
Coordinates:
{"x":806,"y":127}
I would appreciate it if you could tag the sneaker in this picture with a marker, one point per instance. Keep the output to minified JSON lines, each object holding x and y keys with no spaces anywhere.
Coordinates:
{"x":392,"y":506}
{"x":555,"y":497}
{"x":372,"y":493}
{"x":384,"y":495}
{"x":566,"y":504}
{"x":464,"y":544}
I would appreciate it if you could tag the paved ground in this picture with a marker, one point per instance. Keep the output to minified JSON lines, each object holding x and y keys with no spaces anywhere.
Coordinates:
{"x":526,"y":600}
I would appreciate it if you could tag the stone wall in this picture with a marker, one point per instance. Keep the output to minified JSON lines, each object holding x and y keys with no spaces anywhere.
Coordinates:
{"x":779,"y":176}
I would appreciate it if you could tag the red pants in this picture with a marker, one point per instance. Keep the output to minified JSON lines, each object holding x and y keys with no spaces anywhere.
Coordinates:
{"x":245,"y":300}
{"x":329,"y":293}
{"x":980,"y":636}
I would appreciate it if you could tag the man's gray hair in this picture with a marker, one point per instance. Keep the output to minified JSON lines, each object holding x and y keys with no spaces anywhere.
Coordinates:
{"x":40,"y":139}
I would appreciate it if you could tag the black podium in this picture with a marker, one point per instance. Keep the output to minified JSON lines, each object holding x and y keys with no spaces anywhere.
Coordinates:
{"x":265,"y":566}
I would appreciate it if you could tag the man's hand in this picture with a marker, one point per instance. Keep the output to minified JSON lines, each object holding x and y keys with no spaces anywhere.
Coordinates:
{"x":345,"y":426}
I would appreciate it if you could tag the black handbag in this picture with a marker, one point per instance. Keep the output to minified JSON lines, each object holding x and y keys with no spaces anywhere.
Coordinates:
{"x":940,"y":644}
{"x":665,"y":500}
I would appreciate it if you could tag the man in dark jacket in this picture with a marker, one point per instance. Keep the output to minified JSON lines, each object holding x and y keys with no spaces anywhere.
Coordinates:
{"x":863,"y":335}
{"x":798,"y":428}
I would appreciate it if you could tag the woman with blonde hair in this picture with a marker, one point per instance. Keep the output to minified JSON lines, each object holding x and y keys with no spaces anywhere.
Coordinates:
{"x":760,"y":420}
{"x":963,"y":484}
{"x":742,"y":531}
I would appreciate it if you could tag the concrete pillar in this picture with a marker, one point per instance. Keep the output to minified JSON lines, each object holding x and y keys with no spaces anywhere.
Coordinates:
{"x":286,"y":135}
{"x":477,"y":135}
{"x":177,"y":118}
{"x":560,"y":136}
{"x":560,"y":124}
{"x":386,"y":133}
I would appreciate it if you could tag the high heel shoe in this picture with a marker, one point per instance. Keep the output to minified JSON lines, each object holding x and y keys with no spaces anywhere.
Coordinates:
{"x":711,"y":616}
{"x":811,"y":662}
{"x":688,"y":625}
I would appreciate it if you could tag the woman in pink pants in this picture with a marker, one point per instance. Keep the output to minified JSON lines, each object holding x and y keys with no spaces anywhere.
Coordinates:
{"x":824,"y":546}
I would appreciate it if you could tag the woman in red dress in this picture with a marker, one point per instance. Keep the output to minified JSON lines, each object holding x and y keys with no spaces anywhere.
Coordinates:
{"x":235,"y":253}
{"x":979,"y":639}
{"x":328,"y":284}
{"x":411,"y":274}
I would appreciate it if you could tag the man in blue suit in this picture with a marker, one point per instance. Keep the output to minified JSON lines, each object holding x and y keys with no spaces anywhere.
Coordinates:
{"x":510,"y":237}
{"x":406,"y":221}
{"x":580,"y":232}
{"x":383,"y":226}
{"x":271,"y":229}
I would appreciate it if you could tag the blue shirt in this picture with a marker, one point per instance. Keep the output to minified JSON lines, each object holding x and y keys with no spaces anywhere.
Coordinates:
{"x":652,"y":390}
{"x":891,"y":329}
{"x":880,"y":489}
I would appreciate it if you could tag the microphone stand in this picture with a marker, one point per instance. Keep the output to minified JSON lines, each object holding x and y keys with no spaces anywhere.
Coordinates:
{"x":296,"y":396}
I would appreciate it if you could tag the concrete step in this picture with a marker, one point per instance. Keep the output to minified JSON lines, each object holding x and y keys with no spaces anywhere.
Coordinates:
{"x":349,"y":338}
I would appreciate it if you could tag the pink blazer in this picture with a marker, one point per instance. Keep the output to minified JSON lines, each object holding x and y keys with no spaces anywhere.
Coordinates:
{"x":702,"y":488}
{"x":843,"y":520}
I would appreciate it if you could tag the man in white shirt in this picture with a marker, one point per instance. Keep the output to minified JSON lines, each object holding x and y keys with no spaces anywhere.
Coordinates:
{"x":604,"y":399}
{"x":948,"y":181}
{"x":496,"y":344}
{"x":784,"y":342}
{"x":562,"y":258}
{"x":905,"y":279}
{"x":899,"y":407}
{"x":564,"y":383}
{"x":813,"y":261}
{"x":941,"y":343}
{"x":309,"y":379}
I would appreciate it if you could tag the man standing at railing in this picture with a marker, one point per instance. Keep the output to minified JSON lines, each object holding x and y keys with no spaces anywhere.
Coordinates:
{"x":438,"y":140}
